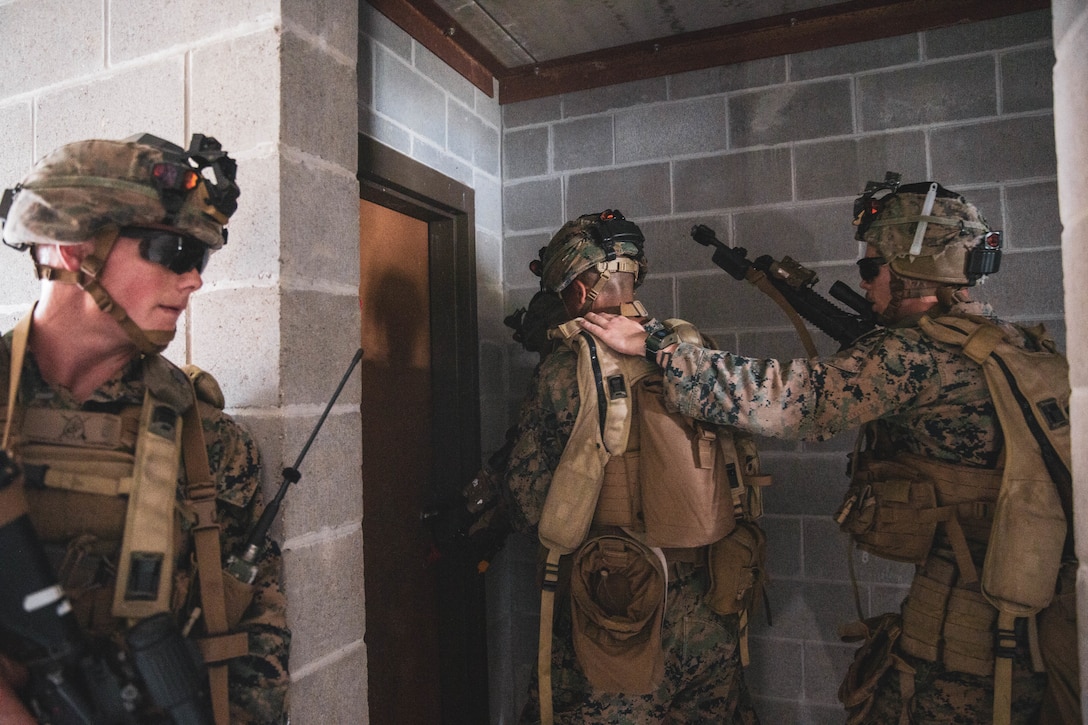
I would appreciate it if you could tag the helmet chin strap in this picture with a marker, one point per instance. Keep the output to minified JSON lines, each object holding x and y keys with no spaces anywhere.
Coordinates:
{"x":149,"y":342}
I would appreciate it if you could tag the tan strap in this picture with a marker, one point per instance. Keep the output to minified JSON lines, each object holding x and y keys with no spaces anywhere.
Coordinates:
{"x":956,"y":537}
{"x":759,"y":279}
{"x":201,"y":499}
{"x":1004,"y":649}
{"x":223,"y":647}
{"x":906,"y":689}
{"x":742,"y":631}
{"x":20,"y":336}
{"x":981,"y":342}
{"x":544,"y":645}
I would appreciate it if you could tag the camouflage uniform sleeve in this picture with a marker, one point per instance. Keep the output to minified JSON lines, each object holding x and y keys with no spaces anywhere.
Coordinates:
{"x":259,"y":680}
{"x":810,"y":399}
{"x":544,"y":426}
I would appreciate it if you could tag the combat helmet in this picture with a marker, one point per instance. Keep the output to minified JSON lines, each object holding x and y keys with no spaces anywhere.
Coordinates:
{"x":606,"y":242}
{"x":88,"y":191}
{"x":927,"y":232}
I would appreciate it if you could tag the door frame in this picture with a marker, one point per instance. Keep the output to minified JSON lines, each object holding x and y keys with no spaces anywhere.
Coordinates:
{"x":393,"y":180}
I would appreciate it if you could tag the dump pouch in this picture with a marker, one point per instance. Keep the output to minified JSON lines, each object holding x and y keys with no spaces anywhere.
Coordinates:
{"x":617,"y":609}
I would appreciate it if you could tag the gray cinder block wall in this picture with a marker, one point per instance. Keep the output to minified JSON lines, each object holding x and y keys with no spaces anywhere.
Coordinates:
{"x":771,"y":155}
{"x":1071,"y":135}
{"x":250,"y":74}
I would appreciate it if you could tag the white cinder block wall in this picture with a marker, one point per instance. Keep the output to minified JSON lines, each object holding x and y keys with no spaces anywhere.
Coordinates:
{"x":274,"y":81}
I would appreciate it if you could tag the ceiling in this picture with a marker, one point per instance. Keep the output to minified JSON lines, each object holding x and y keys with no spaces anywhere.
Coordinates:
{"x":537,"y":48}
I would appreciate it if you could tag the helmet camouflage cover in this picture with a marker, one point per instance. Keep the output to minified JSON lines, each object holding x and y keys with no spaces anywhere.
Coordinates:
{"x":935,"y":243}
{"x":592,"y":241}
{"x":84,"y":186}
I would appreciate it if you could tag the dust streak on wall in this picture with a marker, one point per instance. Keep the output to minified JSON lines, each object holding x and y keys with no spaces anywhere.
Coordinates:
{"x":274,"y":81}
{"x":771,"y":155}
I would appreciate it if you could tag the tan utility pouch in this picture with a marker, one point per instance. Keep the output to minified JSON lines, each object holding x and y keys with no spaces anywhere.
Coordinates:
{"x":237,"y":596}
{"x":946,"y":623}
{"x":736,"y":566}
{"x":924,"y":609}
{"x":885,"y":510}
{"x":620,"y":502}
{"x":969,"y":633}
{"x":684,"y":469}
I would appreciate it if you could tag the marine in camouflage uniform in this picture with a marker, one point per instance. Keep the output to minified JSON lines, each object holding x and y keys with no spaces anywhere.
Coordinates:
{"x":919,"y":396}
{"x":704,"y":680}
{"x":108,"y":191}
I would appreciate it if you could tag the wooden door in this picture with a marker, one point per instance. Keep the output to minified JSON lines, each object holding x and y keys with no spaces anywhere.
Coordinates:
{"x":402,"y":623}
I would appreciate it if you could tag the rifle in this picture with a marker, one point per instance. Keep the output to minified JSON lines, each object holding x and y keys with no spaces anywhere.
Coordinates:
{"x":790,"y":284}
{"x":72,"y":682}
{"x":243,"y":567}
{"x":477,"y":518}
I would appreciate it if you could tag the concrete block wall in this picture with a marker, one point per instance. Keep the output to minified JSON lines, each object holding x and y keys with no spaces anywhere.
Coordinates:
{"x":251,"y":73}
{"x":414,"y":103}
{"x":771,"y":155}
{"x":1071,"y":132}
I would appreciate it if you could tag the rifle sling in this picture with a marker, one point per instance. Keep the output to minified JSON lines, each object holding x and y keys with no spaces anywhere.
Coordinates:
{"x":759,"y":279}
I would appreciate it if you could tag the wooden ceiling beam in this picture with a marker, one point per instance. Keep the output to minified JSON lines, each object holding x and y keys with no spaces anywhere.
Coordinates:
{"x":849,"y":22}
{"x":439,"y":33}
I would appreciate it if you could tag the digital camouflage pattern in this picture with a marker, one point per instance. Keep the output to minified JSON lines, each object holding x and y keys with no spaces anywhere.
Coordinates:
{"x":924,"y":398}
{"x":930,"y":400}
{"x":945,"y":696}
{"x":704,"y":681}
{"x":259,"y":680}
{"x":83,"y":186}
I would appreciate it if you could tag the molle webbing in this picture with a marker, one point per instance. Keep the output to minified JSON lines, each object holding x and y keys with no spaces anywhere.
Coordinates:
{"x":53,"y":459}
{"x":893,"y":507}
{"x":945,"y":621}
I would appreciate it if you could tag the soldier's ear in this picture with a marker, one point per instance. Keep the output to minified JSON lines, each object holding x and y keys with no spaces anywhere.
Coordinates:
{"x":574,"y":297}
{"x":63,"y":256}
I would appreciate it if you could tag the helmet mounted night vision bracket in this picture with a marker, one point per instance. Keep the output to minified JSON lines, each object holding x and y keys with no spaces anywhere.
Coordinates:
{"x":181,"y":172}
{"x":608,"y":230}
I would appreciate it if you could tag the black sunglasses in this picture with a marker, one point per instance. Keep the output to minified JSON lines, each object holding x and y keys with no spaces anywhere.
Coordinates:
{"x":869,"y":267}
{"x":177,"y":252}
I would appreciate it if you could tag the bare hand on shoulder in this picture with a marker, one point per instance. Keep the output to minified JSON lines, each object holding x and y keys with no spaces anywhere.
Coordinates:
{"x":622,"y":334}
